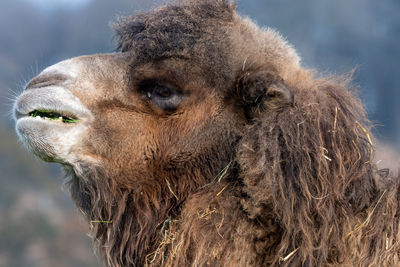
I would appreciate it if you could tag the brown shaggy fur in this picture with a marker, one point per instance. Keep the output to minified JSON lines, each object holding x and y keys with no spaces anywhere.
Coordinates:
{"x":282,"y":173}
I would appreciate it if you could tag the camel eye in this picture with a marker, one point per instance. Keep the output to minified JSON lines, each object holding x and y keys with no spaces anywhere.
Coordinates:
{"x":162,"y":95}
{"x":161,"y":91}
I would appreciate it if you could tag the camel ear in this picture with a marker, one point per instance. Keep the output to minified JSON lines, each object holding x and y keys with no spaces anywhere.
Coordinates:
{"x":261,"y":91}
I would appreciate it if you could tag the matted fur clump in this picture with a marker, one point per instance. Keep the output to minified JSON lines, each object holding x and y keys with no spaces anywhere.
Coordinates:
{"x":315,"y":162}
{"x":208,"y":144}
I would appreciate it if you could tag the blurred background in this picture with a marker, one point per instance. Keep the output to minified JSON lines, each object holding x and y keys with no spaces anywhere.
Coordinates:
{"x":38,"y":223}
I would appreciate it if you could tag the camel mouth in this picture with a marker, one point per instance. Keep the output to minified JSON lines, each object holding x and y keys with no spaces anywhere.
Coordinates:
{"x":51,"y":121}
{"x":53,"y":116}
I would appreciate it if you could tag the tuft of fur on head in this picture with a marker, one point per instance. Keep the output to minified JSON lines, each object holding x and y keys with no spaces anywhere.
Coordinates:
{"x":195,"y":30}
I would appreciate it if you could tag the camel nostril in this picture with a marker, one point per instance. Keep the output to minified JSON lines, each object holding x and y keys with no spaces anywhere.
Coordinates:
{"x":47,"y":79}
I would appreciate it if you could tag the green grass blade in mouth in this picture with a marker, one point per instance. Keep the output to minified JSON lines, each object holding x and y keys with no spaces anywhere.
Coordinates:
{"x":52,"y":115}
{"x":69,"y":120}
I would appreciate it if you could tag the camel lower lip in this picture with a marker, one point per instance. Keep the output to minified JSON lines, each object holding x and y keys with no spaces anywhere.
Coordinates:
{"x":49,"y":139}
{"x":27,"y":125}
{"x":39,"y":119}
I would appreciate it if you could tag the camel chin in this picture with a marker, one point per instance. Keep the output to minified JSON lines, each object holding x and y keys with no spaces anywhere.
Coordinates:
{"x":50,"y":120}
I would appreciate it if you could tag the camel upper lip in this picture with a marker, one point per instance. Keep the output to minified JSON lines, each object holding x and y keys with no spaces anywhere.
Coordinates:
{"x":52,"y":103}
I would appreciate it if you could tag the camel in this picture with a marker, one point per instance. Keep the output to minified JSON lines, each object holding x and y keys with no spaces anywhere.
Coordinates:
{"x":202,"y":141}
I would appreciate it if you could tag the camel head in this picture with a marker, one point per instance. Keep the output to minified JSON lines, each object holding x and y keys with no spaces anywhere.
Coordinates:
{"x":174,"y":97}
